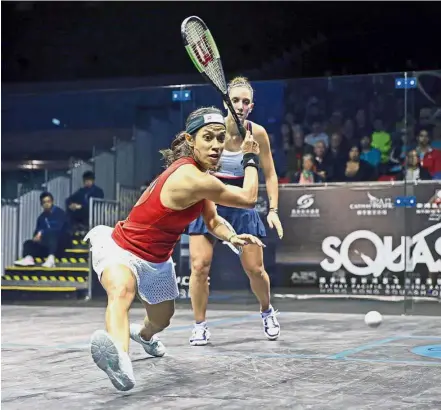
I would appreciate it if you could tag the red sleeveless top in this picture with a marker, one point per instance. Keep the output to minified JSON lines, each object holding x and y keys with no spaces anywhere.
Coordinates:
{"x":151,"y":230}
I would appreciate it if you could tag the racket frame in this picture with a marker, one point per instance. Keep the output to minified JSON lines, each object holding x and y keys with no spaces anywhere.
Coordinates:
{"x":210,"y":39}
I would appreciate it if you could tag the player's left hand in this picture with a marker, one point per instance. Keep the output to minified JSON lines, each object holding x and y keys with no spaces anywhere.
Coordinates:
{"x":274,"y":221}
{"x":246,"y":239}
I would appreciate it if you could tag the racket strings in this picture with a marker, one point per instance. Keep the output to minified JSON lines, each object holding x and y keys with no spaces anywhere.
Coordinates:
{"x":201,"y":47}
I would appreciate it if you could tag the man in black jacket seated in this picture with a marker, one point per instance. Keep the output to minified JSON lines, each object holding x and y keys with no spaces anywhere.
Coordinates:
{"x":51,"y":235}
{"x":77,"y":205}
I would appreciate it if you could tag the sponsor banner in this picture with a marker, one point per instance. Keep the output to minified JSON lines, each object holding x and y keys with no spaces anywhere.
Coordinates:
{"x":431,"y":208}
{"x":352,"y":238}
{"x":342,"y":239}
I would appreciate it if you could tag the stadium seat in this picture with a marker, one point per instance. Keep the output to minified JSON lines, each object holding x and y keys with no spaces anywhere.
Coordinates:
{"x":387,"y":178}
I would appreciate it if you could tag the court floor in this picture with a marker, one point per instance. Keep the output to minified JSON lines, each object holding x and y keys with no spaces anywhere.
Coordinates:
{"x":321,"y":361}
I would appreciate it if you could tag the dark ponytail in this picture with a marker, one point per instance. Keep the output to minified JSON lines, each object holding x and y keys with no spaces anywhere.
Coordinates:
{"x":178,"y":149}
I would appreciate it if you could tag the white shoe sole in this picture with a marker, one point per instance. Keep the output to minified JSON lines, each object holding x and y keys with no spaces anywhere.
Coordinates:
{"x":106,"y":356}
{"x":198,"y":342}
{"x":24,"y":264}
{"x":272,"y":337}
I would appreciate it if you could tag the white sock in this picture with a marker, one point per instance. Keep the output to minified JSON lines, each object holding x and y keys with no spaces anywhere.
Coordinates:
{"x":267,"y":312}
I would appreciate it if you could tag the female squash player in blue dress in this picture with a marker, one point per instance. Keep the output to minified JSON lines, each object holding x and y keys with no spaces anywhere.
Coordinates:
{"x":242,"y":220}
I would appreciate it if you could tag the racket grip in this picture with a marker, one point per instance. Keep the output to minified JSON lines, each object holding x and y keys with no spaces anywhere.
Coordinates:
{"x":233,"y":248}
{"x":242,"y":131}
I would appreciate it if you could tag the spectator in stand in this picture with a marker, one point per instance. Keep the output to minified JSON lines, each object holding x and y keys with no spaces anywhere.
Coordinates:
{"x":414,"y":171}
{"x":77,"y":205}
{"x":361,"y":127}
{"x":338,"y":152}
{"x":355,"y":169}
{"x":311,"y":113}
{"x":307,"y":175}
{"x":404,"y":142}
{"x":289,"y":119}
{"x":335,"y":123}
{"x":323,"y":164}
{"x":368,"y":153}
{"x":296,"y":152}
{"x":51,"y":235}
{"x":348,"y":131}
{"x":279,"y":158}
{"x":381,"y":140}
{"x":317,"y":134}
{"x":430,"y":158}
{"x":286,"y":133}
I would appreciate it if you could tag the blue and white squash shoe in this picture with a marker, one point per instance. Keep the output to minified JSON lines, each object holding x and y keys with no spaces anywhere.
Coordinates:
{"x":271,"y":326}
{"x":200,"y":335}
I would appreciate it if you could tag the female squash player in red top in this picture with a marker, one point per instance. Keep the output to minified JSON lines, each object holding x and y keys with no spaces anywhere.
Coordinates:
{"x":135,"y":256}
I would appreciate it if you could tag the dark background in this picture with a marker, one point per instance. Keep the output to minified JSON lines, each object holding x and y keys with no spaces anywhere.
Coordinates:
{"x":65,"y":41}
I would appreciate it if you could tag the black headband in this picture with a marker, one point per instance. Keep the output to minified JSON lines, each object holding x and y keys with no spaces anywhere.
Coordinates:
{"x":200,"y":121}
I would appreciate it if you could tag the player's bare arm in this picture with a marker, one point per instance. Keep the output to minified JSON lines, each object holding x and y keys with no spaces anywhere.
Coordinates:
{"x":271,"y":181}
{"x":206,"y":186}
{"x":189,"y":185}
{"x":222,"y":230}
{"x":267,"y":164}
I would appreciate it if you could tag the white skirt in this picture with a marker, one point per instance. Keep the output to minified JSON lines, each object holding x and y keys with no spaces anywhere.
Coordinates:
{"x":156,"y":281}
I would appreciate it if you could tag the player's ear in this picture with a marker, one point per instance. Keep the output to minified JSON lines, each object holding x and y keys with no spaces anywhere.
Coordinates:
{"x":189,"y":139}
{"x":251,"y":108}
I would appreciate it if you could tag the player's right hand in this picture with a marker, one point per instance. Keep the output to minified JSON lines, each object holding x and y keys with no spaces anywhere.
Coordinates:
{"x":246,"y":239}
{"x":250,"y":145}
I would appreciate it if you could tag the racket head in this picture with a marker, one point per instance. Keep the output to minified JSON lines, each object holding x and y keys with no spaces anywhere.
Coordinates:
{"x":203,"y":52}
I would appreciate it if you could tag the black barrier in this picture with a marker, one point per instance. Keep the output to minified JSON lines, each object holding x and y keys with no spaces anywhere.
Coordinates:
{"x":344,"y":239}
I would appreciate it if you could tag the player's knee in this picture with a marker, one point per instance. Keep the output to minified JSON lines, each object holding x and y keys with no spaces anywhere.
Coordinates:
{"x":200,"y":267}
{"x":161,"y":323}
{"x":120,"y":292}
{"x":255,"y":271}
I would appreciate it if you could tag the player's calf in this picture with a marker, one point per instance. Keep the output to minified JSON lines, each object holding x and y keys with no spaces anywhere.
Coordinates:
{"x":260,"y":284}
{"x":152,"y":346}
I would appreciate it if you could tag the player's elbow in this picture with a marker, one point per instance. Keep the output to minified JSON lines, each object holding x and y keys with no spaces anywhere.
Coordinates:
{"x":250,"y":202}
{"x":251,"y":205}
